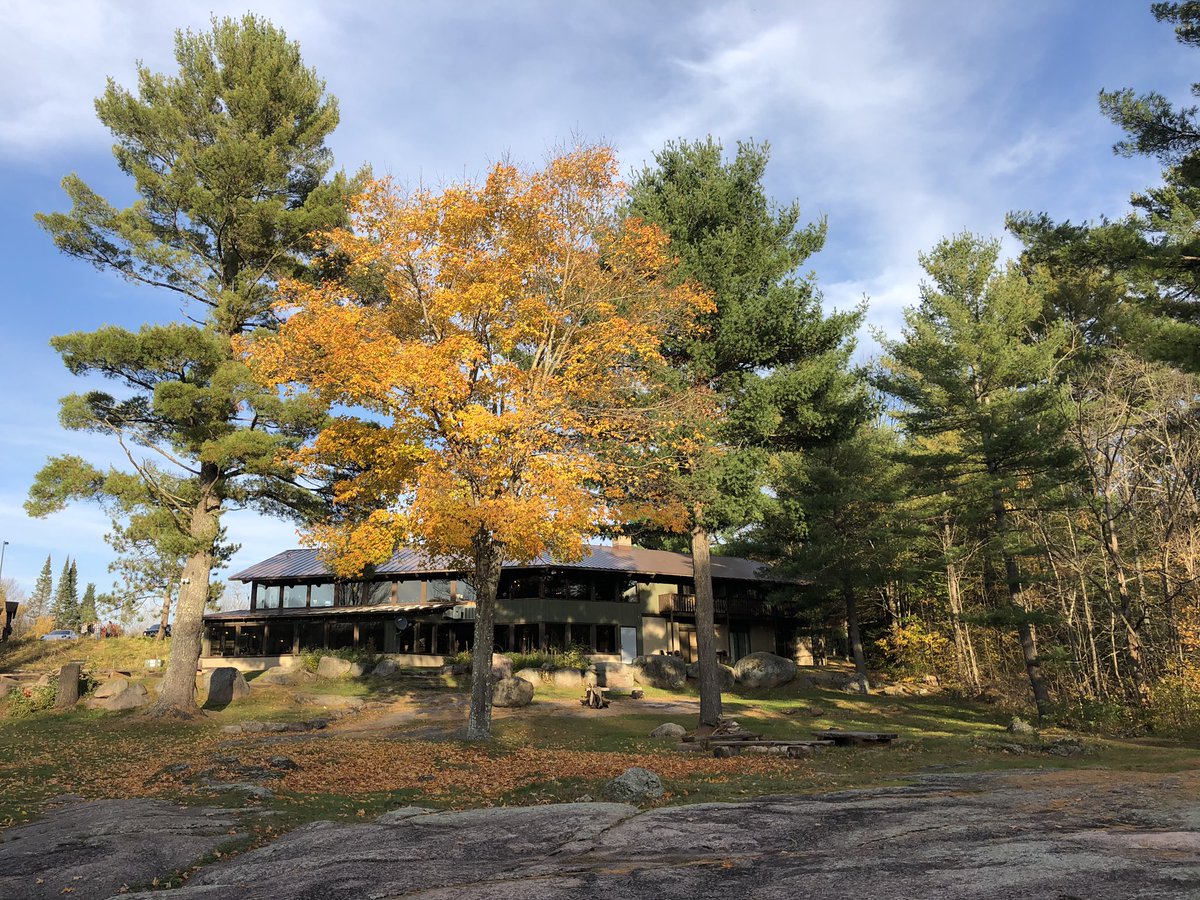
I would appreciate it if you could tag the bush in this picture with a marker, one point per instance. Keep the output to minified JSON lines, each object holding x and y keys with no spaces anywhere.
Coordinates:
{"x":1174,"y":706}
{"x":310,"y":658}
{"x":24,"y":702}
{"x":574,"y":657}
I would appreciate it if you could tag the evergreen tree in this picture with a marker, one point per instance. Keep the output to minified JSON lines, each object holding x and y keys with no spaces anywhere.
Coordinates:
{"x":66,"y":598}
{"x":43,"y":590}
{"x":229,"y":163}
{"x":87,"y":606}
{"x":978,"y":363}
{"x":774,"y":365}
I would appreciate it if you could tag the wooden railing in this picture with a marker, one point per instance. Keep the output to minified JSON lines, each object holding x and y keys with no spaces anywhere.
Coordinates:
{"x":722,"y":606}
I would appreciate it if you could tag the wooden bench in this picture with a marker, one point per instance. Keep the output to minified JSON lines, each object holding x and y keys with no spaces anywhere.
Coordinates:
{"x":851,"y":738}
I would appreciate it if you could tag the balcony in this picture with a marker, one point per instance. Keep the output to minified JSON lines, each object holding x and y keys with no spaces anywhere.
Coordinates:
{"x":722,"y":606}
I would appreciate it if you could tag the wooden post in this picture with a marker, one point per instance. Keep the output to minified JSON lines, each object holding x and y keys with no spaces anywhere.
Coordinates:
{"x":296,"y":637}
{"x":566,"y":635}
{"x":592,"y":638}
{"x":237,"y":640}
{"x":68,"y":686}
{"x":433,"y":639}
{"x":541,"y":636}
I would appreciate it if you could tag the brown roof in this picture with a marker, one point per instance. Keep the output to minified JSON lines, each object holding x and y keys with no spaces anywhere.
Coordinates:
{"x":303,"y":565}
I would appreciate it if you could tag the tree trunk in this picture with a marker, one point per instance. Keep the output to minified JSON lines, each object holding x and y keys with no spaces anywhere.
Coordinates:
{"x":177,"y":696}
{"x":166,"y":615}
{"x":1041,"y":696}
{"x":1130,"y":626}
{"x":706,"y":635}
{"x":853,"y":632}
{"x":489,"y":557}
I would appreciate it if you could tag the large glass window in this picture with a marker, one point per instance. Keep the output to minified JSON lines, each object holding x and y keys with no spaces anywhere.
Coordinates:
{"x":371,"y":636}
{"x":437,"y":589}
{"x":521,"y":586}
{"x":341,"y":635}
{"x":379,"y":594}
{"x":250,"y":640}
{"x":312,"y":634}
{"x":568,"y":586}
{"x":408,"y":591}
{"x":279,"y":638}
{"x":606,"y":639}
{"x":268,"y":596}
{"x":295,"y":596}
{"x":464,"y":590}
{"x":321,"y":594}
{"x":617,"y":587}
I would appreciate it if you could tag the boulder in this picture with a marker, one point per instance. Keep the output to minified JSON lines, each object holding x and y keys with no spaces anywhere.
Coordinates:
{"x":132,"y":697}
{"x":724,"y":673}
{"x":569,"y":678}
{"x":109,"y":688}
{"x":357,"y":670}
{"x":284,"y":676}
{"x":634,"y":785}
{"x":333,"y":667}
{"x":502,"y":667}
{"x":668,"y":730}
{"x":614,"y":674}
{"x":764,"y":670}
{"x":225,"y":684}
{"x":533,"y":676}
{"x":7,"y":686}
{"x":512,"y":692}
{"x":666,"y":672}
{"x":857,"y":684}
{"x":385,"y":668}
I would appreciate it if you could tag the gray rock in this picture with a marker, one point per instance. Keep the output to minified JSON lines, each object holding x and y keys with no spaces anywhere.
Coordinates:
{"x":132,"y":697}
{"x":385,"y":668}
{"x":858,"y":684}
{"x":569,"y":678}
{"x":94,"y":849}
{"x":357,"y":670}
{"x":285,"y":677}
{"x":764,"y":670}
{"x":512,"y":692}
{"x":110,"y":688}
{"x":987,"y":836}
{"x":615,"y":674}
{"x":668,"y":730}
{"x":724,"y":674}
{"x":502,"y":666}
{"x":533,"y":676}
{"x":634,"y":785}
{"x":7,"y":686}
{"x":225,"y":684}
{"x":333,"y":667}
{"x":666,"y":672}
{"x":403,"y":814}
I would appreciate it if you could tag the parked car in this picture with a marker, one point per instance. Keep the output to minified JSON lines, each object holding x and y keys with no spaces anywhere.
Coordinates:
{"x":152,"y":631}
{"x":60,"y":634}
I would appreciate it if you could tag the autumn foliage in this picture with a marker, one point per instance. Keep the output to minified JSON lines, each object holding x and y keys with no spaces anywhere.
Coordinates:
{"x":490,"y":344}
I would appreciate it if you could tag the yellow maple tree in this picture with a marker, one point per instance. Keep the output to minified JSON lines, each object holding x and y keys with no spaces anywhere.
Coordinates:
{"x":488,"y":345}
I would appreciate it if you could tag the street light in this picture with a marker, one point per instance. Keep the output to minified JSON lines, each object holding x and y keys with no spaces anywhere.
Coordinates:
{"x":2,"y":546}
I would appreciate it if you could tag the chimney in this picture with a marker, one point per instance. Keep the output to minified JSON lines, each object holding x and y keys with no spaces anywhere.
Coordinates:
{"x":622,"y":540}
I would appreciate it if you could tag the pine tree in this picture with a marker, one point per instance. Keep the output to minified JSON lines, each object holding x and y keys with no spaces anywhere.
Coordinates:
{"x":43,"y":591}
{"x":978,"y":363}
{"x":775,"y":365}
{"x":229,"y":165}
{"x":87,"y":607}
{"x":66,"y":598}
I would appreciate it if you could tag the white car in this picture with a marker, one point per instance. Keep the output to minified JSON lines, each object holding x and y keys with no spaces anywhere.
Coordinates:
{"x":61,"y":634}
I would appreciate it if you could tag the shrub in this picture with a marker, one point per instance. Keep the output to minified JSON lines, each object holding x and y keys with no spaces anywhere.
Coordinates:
{"x":311,"y":658}
{"x":24,"y":702}
{"x":1174,"y":706}
{"x":574,"y":657}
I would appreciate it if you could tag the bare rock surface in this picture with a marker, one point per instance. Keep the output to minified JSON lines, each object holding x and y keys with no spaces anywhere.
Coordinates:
{"x":1061,"y":835}
{"x":764,"y":670}
{"x":666,"y":672}
{"x":92,"y":849}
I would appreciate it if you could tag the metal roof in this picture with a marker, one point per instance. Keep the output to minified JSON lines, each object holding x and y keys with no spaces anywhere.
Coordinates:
{"x":304,"y":565}
{"x":306,"y":612}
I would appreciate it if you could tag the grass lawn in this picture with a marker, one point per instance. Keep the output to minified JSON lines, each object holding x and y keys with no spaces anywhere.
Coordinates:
{"x":402,"y":750}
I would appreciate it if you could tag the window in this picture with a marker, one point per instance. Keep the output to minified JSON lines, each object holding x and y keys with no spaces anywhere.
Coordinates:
{"x":379,"y":593}
{"x":437,"y":589}
{"x":618,"y":588}
{"x":523,"y":586}
{"x":321,"y":594}
{"x":268,"y":596}
{"x":295,"y":596}
{"x":279,"y":638}
{"x":606,"y":639}
{"x":463,"y":590}
{"x":568,"y":586}
{"x":408,"y":591}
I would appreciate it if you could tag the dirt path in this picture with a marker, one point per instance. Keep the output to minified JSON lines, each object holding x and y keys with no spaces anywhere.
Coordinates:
{"x":1066,"y":835}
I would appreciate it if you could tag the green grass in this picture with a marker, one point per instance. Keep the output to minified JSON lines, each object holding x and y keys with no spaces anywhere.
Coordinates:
{"x":100,"y":754}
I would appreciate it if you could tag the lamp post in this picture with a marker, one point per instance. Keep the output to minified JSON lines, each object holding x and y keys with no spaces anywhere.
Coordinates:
{"x":2,"y":546}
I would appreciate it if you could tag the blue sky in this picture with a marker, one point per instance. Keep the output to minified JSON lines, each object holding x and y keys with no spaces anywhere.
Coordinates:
{"x":902,"y":122}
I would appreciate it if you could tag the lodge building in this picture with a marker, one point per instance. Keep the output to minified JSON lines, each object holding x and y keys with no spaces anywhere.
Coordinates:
{"x":619,"y":602}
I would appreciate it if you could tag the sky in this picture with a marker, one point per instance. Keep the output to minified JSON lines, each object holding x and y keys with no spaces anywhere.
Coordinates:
{"x":899,"y":122}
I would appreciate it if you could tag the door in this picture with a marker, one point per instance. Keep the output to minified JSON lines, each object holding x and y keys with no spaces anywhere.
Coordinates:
{"x":628,"y":644}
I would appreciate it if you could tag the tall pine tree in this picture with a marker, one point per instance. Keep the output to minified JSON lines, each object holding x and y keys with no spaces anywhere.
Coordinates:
{"x":775,"y":365}
{"x":87,"y":606}
{"x":66,"y":598}
{"x":229,"y":163}
{"x":43,"y":591}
